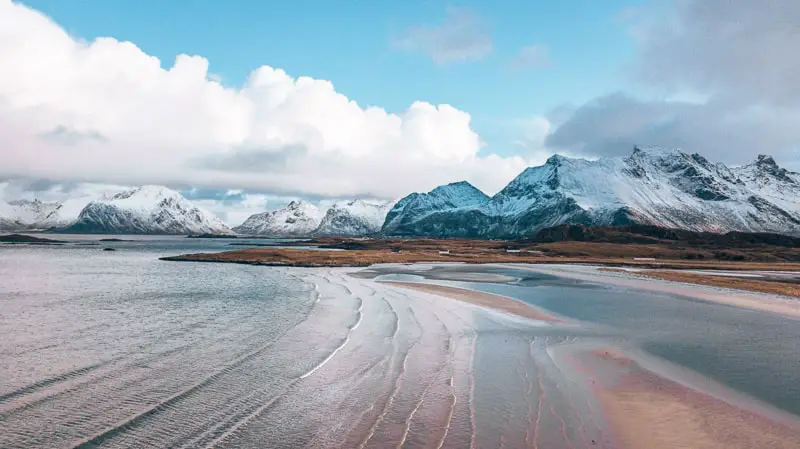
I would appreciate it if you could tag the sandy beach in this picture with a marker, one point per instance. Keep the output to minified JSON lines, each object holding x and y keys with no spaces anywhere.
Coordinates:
{"x":649,"y":411}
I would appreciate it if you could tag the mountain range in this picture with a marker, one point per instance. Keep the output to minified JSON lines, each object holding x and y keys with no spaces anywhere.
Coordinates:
{"x":651,"y":186}
{"x":158,"y":210}
{"x":303,"y":219}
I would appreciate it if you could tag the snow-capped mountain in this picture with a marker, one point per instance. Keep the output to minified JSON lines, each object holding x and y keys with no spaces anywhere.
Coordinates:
{"x":353,"y":218}
{"x":778,"y":185}
{"x":146,"y":210}
{"x":297,"y":219}
{"x":417,"y":206}
{"x":652,"y":186}
{"x":27,"y":214}
{"x":21,"y":215}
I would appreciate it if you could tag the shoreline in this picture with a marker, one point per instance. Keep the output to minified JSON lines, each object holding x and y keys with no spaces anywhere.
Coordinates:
{"x":647,"y":409}
{"x":482,"y":299}
{"x":732,"y":282}
{"x":742,"y":295}
{"x":646,"y":406}
{"x":677,"y":270}
{"x":366,"y":257}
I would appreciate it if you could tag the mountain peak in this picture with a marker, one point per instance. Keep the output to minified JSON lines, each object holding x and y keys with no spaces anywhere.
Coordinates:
{"x":656,"y":152}
{"x":765,"y":160}
{"x":556,"y":160}
{"x":145,"y":191}
{"x":460,"y":186}
{"x":765,"y":168}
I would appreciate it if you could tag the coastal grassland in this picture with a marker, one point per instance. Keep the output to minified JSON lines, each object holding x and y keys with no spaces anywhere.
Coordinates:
{"x":364,"y":252}
{"x":771,"y":286}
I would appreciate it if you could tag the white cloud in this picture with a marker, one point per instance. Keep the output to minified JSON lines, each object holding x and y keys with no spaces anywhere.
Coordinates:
{"x":531,"y":57}
{"x":104,"y":111}
{"x":461,"y":37}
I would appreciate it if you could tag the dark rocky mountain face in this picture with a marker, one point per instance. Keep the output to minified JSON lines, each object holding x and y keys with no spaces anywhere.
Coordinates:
{"x":430,"y":211}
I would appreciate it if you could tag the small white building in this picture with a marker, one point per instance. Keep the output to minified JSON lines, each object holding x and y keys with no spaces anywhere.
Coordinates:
{"x":444,"y":251}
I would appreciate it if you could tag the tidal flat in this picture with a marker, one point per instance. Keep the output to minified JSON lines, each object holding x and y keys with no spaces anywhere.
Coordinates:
{"x":121,"y":349}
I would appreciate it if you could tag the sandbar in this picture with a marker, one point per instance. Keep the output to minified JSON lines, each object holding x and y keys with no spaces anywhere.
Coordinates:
{"x":489,"y":300}
{"x":648,"y":411}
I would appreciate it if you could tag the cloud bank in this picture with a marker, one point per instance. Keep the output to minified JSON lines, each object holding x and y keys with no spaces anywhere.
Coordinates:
{"x":738,"y":63}
{"x":104,"y":111}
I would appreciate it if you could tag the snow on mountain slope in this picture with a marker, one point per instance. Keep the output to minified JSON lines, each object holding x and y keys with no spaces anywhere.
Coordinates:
{"x":297,"y":219}
{"x":146,"y":210}
{"x":653,"y":186}
{"x":354,"y":218}
{"x":417,"y":206}
{"x":8,"y":221}
{"x":777,"y":185}
{"x":20,"y":215}
{"x":26,"y":214}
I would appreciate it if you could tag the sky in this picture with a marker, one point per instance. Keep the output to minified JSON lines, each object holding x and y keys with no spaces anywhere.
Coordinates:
{"x":245,"y":105}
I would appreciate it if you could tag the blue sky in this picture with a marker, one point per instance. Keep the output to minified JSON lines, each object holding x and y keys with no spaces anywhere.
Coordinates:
{"x":354,"y":45}
{"x":426,"y":92}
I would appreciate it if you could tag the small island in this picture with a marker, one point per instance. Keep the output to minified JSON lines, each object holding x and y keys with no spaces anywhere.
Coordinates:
{"x":28,"y":240}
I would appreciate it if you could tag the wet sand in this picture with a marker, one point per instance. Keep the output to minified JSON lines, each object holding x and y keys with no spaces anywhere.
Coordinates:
{"x":649,"y":411}
{"x":488,"y":300}
{"x":644,"y":406}
{"x":750,"y":300}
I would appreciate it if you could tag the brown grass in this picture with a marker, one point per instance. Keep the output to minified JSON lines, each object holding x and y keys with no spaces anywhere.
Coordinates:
{"x":471,"y":251}
{"x":776,"y":287}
